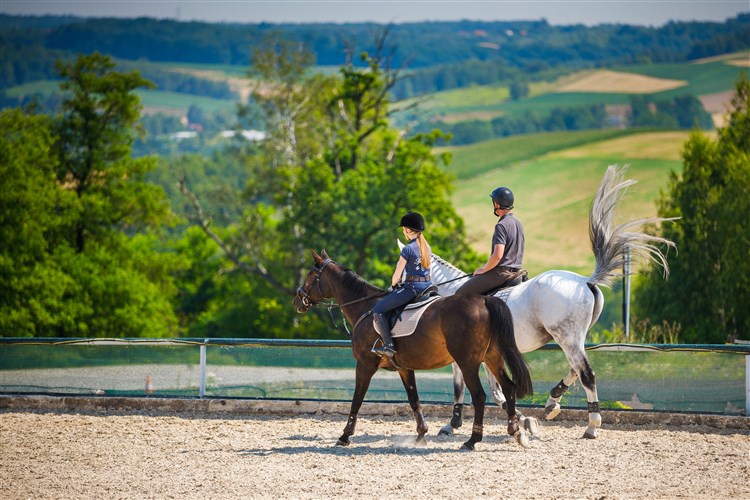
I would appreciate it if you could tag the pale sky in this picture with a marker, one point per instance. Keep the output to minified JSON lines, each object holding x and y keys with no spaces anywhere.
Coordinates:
{"x":589,"y":12}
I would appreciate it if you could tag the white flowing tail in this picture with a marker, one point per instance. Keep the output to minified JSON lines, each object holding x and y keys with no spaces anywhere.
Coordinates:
{"x":609,"y":245}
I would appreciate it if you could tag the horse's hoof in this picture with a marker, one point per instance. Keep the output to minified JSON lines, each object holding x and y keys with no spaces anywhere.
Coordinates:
{"x":446,"y":430}
{"x":531,"y":425}
{"x":591,"y":433}
{"x":467,"y":446}
{"x":522,"y":439}
{"x":342,"y":443}
{"x":421,"y":441}
{"x":551,"y":411}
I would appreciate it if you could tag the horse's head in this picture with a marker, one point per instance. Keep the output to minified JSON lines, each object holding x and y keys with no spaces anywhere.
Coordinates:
{"x":313,"y":291}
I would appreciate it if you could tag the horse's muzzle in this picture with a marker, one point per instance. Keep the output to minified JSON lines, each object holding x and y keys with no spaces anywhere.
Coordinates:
{"x":301,"y":301}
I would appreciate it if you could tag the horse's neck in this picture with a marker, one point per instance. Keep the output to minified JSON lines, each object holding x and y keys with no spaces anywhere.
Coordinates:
{"x":353,"y":299}
{"x":443,"y":274}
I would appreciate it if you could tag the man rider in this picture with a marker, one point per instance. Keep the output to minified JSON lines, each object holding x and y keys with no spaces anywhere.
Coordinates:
{"x":506,"y":258}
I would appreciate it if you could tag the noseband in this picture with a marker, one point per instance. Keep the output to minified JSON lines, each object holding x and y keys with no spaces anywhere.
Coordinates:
{"x":304,"y":295}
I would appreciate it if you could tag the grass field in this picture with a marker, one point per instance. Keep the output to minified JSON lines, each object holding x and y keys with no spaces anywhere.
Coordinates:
{"x":472,"y":160}
{"x":43,"y":87}
{"x":177,"y":101}
{"x":554,"y":190}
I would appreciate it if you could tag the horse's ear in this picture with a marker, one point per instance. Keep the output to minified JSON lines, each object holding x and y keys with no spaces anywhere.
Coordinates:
{"x":316,"y":258}
{"x":324,"y":254}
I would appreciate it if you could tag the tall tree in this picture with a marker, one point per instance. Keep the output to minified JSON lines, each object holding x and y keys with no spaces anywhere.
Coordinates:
{"x":333,"y":173}
{"x":709,"y":289}
{"x":95,"y":134}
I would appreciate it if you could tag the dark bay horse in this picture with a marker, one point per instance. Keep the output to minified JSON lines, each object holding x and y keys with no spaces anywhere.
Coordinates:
{"x":467,"y":330}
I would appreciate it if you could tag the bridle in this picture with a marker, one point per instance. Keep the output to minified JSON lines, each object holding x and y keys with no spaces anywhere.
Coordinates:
{"x":304,"y":295}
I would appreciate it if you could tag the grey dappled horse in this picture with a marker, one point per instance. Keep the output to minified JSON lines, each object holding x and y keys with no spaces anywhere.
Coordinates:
{"x":561,"y":306}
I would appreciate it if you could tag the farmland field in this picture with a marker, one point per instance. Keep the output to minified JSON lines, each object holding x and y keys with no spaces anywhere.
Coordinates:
{"x":615,"y":81}
{"x":598,"y":87}
{"x":553,"y":192}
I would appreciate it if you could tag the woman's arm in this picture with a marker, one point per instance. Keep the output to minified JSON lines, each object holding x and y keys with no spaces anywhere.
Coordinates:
{"x":399,"y":271}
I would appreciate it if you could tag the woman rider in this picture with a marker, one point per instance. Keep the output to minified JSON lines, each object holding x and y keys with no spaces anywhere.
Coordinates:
{"x":415,"y":260}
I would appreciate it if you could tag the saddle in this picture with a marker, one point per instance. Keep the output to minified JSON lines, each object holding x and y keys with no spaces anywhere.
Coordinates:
{"x":519,"y":277}
{"x":403,"y":320}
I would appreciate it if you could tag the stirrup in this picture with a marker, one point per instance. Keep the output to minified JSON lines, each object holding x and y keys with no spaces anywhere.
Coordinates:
{"x":387,"y":350}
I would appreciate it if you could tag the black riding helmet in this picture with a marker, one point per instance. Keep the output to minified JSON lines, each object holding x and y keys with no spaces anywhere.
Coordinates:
{"x":503,"y":197}
{"x":413,"y":221}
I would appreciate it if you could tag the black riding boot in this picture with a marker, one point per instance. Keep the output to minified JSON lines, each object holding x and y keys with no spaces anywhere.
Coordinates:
{"x":381,"y":326}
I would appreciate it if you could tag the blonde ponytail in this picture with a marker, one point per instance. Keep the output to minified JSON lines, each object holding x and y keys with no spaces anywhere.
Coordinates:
{"x":424,"y":251}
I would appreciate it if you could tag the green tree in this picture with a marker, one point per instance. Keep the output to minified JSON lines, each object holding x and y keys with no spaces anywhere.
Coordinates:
{"x":120,"y":288}
{"x":76,"y":260}
{"x":518,"y":90}
{"x":34,"y":285}
{"x":95,"y":134}
{"x":332,"y":174}
{"x":709,"y":289}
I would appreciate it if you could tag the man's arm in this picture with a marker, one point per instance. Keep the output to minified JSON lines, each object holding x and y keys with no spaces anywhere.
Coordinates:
{"x":493,"y":260}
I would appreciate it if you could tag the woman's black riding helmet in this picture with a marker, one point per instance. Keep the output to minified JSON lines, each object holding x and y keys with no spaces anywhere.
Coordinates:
{"x":413,"y":221}
{"x":503,"y":197}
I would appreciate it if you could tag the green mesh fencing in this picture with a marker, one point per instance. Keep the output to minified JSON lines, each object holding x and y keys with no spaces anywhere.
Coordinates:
{"x":665,"y":377}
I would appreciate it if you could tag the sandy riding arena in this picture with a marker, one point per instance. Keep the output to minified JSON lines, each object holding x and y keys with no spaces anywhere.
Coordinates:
{"x":148,"y":454}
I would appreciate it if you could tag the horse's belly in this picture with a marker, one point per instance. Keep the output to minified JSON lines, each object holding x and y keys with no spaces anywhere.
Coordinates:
{"x":528,"y":343}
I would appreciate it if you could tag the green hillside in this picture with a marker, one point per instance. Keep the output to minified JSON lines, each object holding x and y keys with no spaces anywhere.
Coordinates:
{"x":553,"y":191}
{"x":472,"y":160}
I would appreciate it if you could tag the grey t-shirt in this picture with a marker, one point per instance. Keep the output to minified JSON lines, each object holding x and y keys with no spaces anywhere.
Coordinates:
{"x":509,"y":232}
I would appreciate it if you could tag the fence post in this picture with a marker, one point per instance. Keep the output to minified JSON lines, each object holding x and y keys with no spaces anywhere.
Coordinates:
{"x":202,"y":388}
{"x":747,"y":385}
{"x":626,"y":293}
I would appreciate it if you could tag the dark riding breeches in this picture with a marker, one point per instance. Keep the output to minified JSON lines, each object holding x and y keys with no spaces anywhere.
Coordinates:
{"x":481,"y":283}
{"x":399,"y":297}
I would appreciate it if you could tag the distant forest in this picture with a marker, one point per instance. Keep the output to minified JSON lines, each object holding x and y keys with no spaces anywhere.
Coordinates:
{"x":437,"y":55}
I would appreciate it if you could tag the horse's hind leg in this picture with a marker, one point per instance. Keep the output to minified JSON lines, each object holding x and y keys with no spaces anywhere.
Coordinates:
{"x":580,"y":363}
{"x":552,"y":407}
{"x":410,"y":384}
{"x":364,"y":374}
{"x":588,"y":379}
{"x":458,"y":403}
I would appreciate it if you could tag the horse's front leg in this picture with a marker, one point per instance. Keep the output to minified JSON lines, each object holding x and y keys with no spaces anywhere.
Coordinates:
{"x":364,"y":374}
{"x":458,"y":403}
{"x":530,"y":424}
{"x":410,"y":384}
{"x":478,"y":400}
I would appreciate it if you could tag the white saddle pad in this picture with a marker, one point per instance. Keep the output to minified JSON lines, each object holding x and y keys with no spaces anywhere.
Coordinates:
{"x":406,"y":325}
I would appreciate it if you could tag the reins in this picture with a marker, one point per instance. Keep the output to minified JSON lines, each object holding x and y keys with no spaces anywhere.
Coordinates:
{"x":305,"y":294}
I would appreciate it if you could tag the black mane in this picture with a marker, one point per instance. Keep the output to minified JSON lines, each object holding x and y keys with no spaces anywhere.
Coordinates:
{"x":355,"y":282}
